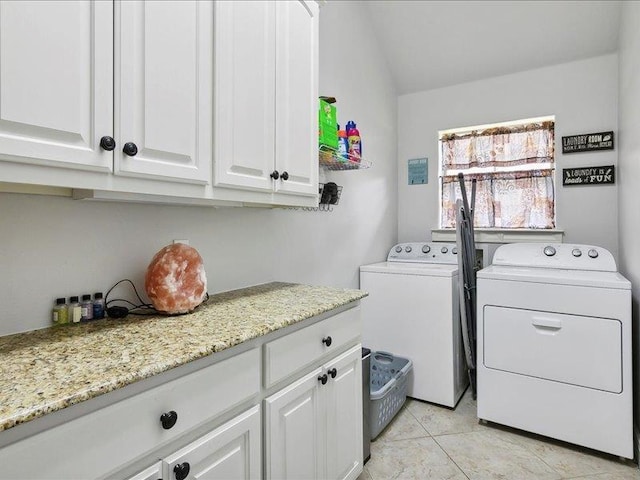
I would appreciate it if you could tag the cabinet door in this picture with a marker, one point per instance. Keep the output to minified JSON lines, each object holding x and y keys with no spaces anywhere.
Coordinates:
{"x":245,"y":94}
{"x":154,"y":472}
{"x":343,"y":400}
{"x":297,"y":96}
{"x":294,"y":428}
{"x":164,"y":62}
{"x":230,"y":452}
{"x":56,"y":83}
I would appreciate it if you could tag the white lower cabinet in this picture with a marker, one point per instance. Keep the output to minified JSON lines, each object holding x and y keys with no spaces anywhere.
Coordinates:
{"x":230,"y":452}
{"x":343,"y":407}
{"x":106,"y":440}
{"x":154,"y":472}
{"x":314,"y":426}
{"x":293,"y":420}
{"x":208,"y":423}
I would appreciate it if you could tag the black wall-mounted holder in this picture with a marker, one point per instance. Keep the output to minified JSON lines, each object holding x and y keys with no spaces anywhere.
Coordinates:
{"x":329,"y":195}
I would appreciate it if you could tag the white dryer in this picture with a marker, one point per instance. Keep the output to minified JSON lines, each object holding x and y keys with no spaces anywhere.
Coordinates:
{"x":554,"y":345}
{"x":412,"y":311}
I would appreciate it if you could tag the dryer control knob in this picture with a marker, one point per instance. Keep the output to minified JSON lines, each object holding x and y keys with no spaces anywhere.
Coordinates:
{"x":444,"y":250}
{"x":576,"y":252}
{"x":549,"y":251}
{"x":454,"y":250}
{"x":426,"y":249}
{"x":407,"y":249}
{"x":398,"y":249}
{"x":593,"y":253}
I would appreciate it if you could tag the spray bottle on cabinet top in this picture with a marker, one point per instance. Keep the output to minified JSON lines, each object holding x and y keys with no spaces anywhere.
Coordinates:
{"x":355,"y":143}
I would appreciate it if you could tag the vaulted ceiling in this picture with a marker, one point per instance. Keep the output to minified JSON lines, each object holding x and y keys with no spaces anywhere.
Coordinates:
{"x":431,"y":44}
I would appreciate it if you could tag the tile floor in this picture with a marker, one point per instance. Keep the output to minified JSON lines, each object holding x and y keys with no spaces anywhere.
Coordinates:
{"x":428,"y":442}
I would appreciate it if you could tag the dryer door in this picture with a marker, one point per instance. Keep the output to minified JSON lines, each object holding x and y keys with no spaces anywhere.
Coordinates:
{"x":573,"y":349}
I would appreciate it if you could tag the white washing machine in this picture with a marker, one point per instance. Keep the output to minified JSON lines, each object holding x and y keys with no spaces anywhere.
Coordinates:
{"x":554,"y":345}
{"x":412,"y":311}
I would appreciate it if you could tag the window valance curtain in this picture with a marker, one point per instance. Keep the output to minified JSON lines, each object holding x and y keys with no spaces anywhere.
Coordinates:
{"x":499,"y":147}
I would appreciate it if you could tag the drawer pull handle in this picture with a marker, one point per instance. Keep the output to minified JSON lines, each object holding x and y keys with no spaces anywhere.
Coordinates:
{"x":168,"y":419}
{"x":327,"y":341}
{"x":333,"y":372}
{"x":323,"y":379}
{"x":547,"y":323}
{"x":181,"y":470}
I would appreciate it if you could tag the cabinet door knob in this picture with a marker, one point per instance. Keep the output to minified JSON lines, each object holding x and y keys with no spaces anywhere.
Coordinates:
{"x":130,"y":149}
{"x":181,"y":470}
{"x":107,"y":143}
{"x":168,"y":419}
{"x":275,"y":175}
{"x":284,"y":176}
{"x":323,"y":379}
{"x":333,"y":372}
{"x":327,"y":341}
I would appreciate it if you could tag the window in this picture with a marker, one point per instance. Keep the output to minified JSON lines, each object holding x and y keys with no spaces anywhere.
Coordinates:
{"x":513,"y":164}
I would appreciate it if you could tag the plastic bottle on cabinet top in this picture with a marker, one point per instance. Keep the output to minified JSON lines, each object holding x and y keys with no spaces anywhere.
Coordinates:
{"x":355,"y":142}
{"x":60,"y":312}
{"x":98,"y":306}
{"x":86,"y":308}
{"x":343,"y":145}
{"x":75,"y":311}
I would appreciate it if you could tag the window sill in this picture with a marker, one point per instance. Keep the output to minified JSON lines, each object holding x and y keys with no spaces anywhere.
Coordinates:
{"x":495,"y":235}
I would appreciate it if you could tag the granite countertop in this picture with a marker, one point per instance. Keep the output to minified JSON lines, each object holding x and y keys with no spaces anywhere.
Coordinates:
{"x":47,"y":370}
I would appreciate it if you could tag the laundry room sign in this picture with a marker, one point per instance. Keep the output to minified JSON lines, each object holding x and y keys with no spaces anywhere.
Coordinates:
{"x":587,"y":142}
{"x":589,"y":175}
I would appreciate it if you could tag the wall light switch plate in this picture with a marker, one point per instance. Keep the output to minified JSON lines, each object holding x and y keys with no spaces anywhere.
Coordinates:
{"x":186,"y":242}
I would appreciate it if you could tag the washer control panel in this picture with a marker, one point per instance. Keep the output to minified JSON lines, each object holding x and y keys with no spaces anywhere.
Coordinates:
{"x":564,"y":255}
{"x":424,"y":252}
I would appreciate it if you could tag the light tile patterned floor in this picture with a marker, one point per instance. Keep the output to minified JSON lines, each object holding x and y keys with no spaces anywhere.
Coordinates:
{"x":428,"y":442}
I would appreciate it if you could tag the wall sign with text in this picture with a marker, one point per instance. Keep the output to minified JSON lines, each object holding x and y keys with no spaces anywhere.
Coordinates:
{"x":587,"y":142}
{"x":417,"y":171}
{"x":589,"y":176}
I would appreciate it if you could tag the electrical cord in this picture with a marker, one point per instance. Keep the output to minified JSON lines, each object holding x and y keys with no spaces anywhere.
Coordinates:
{"x":142,"y":309}
{"x":118,"y":311}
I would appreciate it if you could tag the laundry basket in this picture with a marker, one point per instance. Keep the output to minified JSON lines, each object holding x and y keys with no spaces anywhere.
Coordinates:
{"x":388,"y":388}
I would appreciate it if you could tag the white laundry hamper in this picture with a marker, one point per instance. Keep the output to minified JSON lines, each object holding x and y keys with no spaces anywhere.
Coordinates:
{"x":388,"y":388}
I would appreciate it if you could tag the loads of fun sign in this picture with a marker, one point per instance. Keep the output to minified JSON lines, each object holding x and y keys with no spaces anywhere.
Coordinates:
{"x":588,"y":175}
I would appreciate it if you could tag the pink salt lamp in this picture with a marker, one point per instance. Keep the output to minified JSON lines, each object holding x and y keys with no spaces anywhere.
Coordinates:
{"x":176,"y":281}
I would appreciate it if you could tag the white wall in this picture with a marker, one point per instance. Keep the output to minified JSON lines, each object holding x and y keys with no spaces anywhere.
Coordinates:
{"x":582,"y":95}
{"x":51,"y":246}
{"x":629,"y":156}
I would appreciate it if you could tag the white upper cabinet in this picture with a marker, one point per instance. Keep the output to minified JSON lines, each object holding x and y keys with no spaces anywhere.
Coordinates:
{"x":266,"y":96}
{"x":210,"y":101}
{"x":164,"y":63}
{"x":296,"y":96}
{"x":56,"y":83}
{"x":245,"y":94}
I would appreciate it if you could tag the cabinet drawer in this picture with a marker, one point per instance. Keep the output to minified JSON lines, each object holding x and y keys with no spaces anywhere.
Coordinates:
{"x":294,"y":352}
{"x":92,"y":445}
